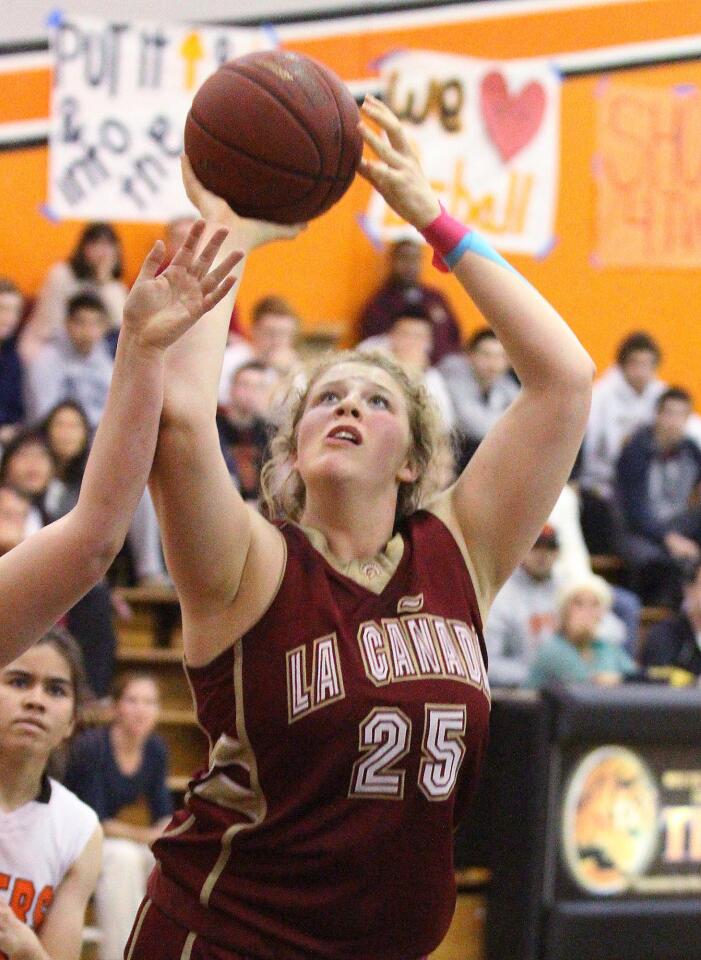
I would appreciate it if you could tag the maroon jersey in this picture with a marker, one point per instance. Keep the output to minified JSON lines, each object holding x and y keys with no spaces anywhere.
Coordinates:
{"x":347,"y":732}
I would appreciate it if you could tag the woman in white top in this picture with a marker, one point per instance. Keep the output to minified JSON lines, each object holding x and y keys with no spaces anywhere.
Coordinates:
{"x":50,"y":841}
{"x":95,"y":265}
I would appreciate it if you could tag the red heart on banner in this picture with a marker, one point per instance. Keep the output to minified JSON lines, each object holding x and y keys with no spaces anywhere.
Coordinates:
{"x":511,"y":121}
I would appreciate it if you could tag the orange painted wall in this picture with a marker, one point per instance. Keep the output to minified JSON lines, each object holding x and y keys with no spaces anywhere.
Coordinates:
{"x":329,"y":272}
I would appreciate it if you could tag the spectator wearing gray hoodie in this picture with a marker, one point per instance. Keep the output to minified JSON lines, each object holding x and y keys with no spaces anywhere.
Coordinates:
{"x":525,"y":614}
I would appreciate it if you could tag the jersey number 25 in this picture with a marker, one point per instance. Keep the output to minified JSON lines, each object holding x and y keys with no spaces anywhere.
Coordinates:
{"x":385,"y":738}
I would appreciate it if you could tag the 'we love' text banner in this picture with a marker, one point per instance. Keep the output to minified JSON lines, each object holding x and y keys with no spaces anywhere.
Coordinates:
{"x":120,"y":96}
{"x":488,"y":137}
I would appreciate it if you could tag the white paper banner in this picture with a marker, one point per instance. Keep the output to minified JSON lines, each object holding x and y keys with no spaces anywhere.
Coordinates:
{"x":488,"y":137}
{"x":120,"y":97}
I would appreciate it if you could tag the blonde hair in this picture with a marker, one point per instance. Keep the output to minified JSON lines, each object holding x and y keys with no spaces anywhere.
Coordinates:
{"x":282,"y":489}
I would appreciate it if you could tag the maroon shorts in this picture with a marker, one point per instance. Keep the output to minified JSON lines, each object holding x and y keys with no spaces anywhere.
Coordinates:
{"x":156,"y":937}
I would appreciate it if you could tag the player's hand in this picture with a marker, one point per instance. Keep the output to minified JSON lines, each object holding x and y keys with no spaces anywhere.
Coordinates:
{"x":245,"y":233}
{"x":396,"y":173}
{"x":159,"y":309}
{"x":17,"y":940}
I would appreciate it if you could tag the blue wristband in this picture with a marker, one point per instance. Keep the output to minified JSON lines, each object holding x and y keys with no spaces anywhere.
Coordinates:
{"x":475,"y":243}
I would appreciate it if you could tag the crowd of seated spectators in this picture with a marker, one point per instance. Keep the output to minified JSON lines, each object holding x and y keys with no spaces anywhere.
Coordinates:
{"x":633,"y":496}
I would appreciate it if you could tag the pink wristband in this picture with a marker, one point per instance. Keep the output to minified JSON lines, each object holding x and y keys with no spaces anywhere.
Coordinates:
{"x":443,"y":234}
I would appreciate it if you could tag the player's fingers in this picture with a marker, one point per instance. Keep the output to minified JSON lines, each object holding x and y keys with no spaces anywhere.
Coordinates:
{"x":213,"y":298}
{"x":382,"y":147}
{"x":378,"y":173}
{"x":381,"y":114}
{"x":206,"y":258}
{"x":149,"y":268}
{"x":183,"y":258}
{"x":221,"y":271}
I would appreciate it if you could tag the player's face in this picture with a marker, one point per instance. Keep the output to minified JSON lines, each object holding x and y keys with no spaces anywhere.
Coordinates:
{"x":355,"y":425}
{"x":37,"y":701}
{"x":138,"y":707}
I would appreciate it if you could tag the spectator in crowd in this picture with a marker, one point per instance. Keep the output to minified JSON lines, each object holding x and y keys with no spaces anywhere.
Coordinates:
{"x":675,"y":644}
{"x":111,"y":768}
{"x":78,"y":368}
{"x":28,"y":467}
{"x":577,"y":652}
{"x":14,"y":515}
{"x":243,"y":425}
{"x":573,"y":562}
{"x":481,"y":388}
{"x":410,"y":342}
{"x":273,"y":335}
{"x":11,"y":372}
{"x":525,"y":613}
{"x":624,"y":400}
{"x":94,"y":266}
{"x":402,"y":292}
{"x":68,"y":435}
{"x":657,"y":476}
{"x":50,"y":842}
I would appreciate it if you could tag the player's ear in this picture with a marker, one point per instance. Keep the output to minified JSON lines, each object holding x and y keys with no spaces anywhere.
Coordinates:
{"x":408,"y":472}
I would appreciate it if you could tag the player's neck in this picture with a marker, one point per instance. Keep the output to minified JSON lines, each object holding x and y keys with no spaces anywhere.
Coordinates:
{"x":354,"y":529}
{"x":20,"y":779}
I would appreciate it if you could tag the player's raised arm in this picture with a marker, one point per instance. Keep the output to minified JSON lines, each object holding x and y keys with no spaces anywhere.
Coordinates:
{"x":506,"y":492}
{"x":48,"y":573}
{"x":207,"y":529}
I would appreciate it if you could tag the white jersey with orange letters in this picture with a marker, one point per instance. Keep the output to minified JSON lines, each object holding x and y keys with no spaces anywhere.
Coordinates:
{"x":39,"y":843}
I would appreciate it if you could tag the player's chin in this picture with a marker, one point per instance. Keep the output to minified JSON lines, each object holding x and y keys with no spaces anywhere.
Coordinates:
{"x":338,"y":464}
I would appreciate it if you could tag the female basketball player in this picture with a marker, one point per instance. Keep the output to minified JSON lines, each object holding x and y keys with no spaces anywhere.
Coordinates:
{"x":48,"y":573}
{"x":50,"y":841}
{"x":337,"y":662}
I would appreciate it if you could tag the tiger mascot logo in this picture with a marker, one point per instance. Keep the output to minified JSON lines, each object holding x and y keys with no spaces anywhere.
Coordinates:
{"x":610,"y":820}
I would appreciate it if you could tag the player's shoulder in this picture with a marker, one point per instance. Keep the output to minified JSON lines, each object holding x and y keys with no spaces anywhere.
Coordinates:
{"x":66,"y":804}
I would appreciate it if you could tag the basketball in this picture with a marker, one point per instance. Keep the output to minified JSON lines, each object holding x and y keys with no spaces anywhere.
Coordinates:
{"x":275,"y":134}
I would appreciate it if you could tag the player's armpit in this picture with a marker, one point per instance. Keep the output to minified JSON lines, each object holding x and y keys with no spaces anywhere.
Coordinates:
{"x":506,"y":492}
